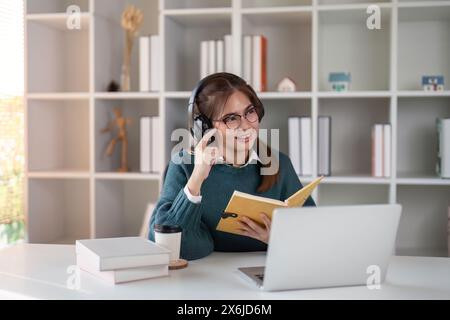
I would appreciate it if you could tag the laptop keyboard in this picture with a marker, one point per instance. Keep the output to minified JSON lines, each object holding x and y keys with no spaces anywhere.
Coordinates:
{"x":260,"y":276}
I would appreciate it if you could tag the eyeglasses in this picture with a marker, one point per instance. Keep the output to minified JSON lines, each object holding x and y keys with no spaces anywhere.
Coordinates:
{"x":233,"y":121}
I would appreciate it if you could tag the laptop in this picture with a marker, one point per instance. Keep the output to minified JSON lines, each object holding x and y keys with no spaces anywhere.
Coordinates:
{"x":319,"y":247}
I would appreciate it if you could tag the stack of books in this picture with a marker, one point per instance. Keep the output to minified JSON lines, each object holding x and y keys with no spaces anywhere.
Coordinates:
{"x":443,"y":144}
{"x":300,"y":145}
{"x":149,"y":62}
{"x":255,"y":61}
{"x":118,"y":260}
{"x":216,"y":56}
{"x":151,"y":159}
{"x":381,"y":150}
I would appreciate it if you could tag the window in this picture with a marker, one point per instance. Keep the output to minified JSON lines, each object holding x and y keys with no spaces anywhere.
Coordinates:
{"x":11,"y":122}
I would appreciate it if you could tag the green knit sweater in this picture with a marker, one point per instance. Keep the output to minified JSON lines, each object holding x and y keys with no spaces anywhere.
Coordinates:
{"x":199,"y":221}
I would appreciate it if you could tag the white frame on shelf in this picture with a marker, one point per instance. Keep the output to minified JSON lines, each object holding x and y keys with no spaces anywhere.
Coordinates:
{"x":167,"y":98}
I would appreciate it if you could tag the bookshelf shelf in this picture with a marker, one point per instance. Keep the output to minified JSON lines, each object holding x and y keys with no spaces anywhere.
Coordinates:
{"x":73,"y":190}
{"x":267,"y":4}
{"x":55,"y":6}
{"x":126,"y":95}
{"x":196,"y":4}
{"x":69,"y":174}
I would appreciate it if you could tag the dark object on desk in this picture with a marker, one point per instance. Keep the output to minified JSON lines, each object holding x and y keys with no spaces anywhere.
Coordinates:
{"x":113,"y":86}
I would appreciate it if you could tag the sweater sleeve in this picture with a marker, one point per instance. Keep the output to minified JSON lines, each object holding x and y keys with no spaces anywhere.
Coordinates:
{"x":174,"y":208}
{"x":290,"y":181}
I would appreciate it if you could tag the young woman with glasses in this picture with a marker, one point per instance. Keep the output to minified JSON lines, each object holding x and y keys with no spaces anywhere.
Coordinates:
{"x":198,"y":186}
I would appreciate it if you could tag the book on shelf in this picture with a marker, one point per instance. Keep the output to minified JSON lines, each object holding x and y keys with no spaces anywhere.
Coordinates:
{"x":216,"y":56}
{"x":448,"y":231}
{"x":120,"y":253}
{"x":381,"y":150}
{"x":228,"y":47}
{"x":300,"y":144}
{"x":212,"y":59}
{"x":244,"y":204}
{"x":247,"y":59}
{"x":259,"y":65}
{"x":443,"y":146}
{"x":324,"y":146}
{"x":150,"y":145}
{"x":149,"y":63}
{"x":220,"y":56}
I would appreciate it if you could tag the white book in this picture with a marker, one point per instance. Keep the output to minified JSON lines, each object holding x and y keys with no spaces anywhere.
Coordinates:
{"x":324,"y":139}
{"x":122,"y":275}
{"x":145,"y":144}
{"x":306,"y":146}
{"x":144,"y":64}
{"x":387,"y":134}
{"x":443,"y":165}
{"x":294,"y":143}
{"x":219,"y":56}
{"x":247,"y":59}
{"x":155,"y":63}
{"x":157,"y":147}
{"x":204,"y":64}
{"x":377,"y":150}
{"x":121,"y":253}
{"x":257,"y":62}
{"x":228,"y":40}
{"x":211,"y":57}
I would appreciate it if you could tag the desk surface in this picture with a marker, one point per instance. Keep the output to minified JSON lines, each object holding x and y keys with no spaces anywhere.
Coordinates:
{"x":40,"y":272}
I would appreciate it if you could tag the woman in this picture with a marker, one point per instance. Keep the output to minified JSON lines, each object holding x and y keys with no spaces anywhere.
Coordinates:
{"x":197,"y":188}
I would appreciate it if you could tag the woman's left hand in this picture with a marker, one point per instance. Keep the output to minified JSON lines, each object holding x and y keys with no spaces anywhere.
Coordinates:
{"x":252,"y":229}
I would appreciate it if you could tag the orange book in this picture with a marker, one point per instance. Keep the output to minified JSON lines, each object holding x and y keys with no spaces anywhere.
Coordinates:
{"x":244,"y":204}
{"x":263,"y":63}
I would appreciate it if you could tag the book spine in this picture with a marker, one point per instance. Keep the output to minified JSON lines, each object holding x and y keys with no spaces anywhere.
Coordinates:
{"x":324,"y":138}
{"x":377,"y":150}
{"x":219,"y":55}
{"x":228,"y":53}
{"x":211,"y":57}
{"x":247,"y":63}
{"x":445,"y":148}
{"x":263,"y":63}
{"x":387,"y":150}
{"x":306,"y":146}
{"x":294,"y":143}
{"x":144,"y":64}
{"x":145,"y":143}
{"x":204,"y":64}
{"x":256,"y":65}
{"x":155,"y":61}
{"x":448,"y":232}
{"x":157,"y":156}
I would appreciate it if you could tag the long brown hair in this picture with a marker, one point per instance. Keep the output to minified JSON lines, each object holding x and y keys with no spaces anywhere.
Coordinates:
{"x":211,"y":100}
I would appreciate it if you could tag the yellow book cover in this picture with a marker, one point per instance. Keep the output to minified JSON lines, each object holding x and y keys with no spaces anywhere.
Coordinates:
{"x":244,"y":204}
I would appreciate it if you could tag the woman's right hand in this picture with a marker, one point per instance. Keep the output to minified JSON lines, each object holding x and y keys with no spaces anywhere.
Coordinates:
{"x":205,"y":158}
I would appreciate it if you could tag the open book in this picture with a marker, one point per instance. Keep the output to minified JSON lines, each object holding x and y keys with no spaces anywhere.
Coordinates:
{"x":244,"y":204}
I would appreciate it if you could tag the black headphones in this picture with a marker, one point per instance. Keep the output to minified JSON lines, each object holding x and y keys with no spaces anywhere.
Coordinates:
{"x":199,"y":123}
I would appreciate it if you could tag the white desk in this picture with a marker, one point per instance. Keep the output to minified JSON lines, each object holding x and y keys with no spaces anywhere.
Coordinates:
{"x":40,"y":271}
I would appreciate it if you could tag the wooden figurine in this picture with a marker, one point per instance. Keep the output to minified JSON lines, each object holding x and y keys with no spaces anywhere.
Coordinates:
{"x":339,"y":81}
{"x":121,"y":123}
{"x":433,"y":83}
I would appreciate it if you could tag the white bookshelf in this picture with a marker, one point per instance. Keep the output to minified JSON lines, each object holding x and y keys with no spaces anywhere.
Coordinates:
{"x":72,"y":189}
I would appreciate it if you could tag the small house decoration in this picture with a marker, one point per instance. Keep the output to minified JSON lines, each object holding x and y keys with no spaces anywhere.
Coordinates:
{"x":339,"y":81}
{"x":433,"y":83}
{"x":287,"y":85}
